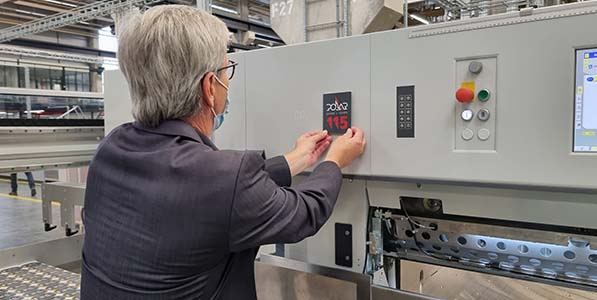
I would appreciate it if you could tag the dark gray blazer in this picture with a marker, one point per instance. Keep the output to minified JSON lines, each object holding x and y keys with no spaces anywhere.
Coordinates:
{"x":169,"y":216}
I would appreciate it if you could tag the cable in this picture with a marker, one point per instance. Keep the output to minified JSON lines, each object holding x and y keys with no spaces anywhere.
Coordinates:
{"x":414,"y":225}
{"x":369,"y":215}
{"x":410,"y":220}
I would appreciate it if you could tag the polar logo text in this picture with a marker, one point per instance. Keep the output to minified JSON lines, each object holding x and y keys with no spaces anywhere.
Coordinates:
{"x":337,"y":106}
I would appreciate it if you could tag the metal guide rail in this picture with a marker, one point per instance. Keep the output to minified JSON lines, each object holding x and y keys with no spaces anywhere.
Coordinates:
{"x":563,"y":257}
{"x":45,"y":148}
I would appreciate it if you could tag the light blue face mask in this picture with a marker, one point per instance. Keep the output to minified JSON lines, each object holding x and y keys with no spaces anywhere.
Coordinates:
{"x":219,"y":119}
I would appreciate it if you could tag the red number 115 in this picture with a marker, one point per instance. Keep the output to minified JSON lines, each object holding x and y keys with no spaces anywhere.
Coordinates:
{"x":341,"y":122}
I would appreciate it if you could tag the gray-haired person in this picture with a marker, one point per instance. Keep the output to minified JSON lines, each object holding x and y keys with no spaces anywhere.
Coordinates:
{"x":167,"y":214}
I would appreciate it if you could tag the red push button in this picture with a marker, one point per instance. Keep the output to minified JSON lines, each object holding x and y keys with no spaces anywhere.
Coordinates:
{"x":464,"y":95}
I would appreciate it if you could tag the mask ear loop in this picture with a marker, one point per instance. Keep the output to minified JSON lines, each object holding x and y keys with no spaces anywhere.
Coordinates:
{"x":220,"y":81}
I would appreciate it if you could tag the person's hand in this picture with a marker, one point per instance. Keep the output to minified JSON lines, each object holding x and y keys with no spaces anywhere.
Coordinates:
{"x":309,"y":147}
{"x":347,"y":147}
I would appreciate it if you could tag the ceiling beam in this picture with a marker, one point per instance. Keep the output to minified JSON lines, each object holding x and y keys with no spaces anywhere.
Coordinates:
{"x":52,"y":7}
{"x":60,"y":30}
{"x":81,"y":14}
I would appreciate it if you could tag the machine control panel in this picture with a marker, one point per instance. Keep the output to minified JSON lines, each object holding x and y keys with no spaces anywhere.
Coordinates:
{"x":585,"y":102}
{"x":475,"y":104}
{"x":405,"y":108}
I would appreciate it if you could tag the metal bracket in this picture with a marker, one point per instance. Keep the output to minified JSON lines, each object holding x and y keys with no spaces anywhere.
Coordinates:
{"x":68,"y":195}
{"x":343,"y":244}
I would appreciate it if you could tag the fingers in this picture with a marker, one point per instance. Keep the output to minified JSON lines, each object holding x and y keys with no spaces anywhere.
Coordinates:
{"x":359,"y":135}
{"x":321,"y":147}
{"x":311,"y":133}
{"x":319,"y":136}
{"x":348,"y":133}
{"x":328,"y":139}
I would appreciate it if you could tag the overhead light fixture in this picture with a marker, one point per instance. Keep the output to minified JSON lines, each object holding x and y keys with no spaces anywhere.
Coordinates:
{"x":61,"y":3}
{"x":228,"y":10}
{"x":29,"y":13}
{"x":420,"y":19}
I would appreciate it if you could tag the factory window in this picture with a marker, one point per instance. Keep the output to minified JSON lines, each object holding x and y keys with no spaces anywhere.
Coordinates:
{"x":227,"y":6}
{"x":21,"y":77}
{"x":71,"y":80}
{"x":259,"y":10}
{"x":40,"y":77}
{"x":9,"y":76}
{"x":83,"y":82}
{"x":56,"y":79}
{"x":2,"y":76}
{"x":42,"y":106}
{"x":46,"y":78}
{"x":50,"y":107}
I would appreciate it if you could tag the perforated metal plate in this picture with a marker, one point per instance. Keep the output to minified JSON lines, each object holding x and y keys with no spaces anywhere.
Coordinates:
{"x":547,"y":255}
{"x":38,"y":281}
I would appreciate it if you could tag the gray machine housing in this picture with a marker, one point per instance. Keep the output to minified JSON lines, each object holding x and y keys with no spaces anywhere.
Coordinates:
{"x":525,"y":171}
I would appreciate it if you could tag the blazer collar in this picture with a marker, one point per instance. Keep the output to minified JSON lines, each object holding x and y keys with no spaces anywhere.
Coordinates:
{"x":178,"y":128}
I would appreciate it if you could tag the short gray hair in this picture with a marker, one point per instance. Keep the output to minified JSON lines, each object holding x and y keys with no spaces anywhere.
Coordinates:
{"x":164,"y":53}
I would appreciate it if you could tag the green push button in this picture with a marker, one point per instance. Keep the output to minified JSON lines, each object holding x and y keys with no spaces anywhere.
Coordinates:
{"x":484,"y":95}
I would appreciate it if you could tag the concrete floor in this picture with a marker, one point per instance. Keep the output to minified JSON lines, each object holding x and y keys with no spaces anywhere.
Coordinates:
{"x":21,"y":218}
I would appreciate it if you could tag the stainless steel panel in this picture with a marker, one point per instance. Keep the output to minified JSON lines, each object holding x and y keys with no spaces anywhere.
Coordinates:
{"x":351,"y":208}
{"x":382,"y":293}
{"x":454,"y":284}
{"x":282,"y":278}
{"x":56,"y":252}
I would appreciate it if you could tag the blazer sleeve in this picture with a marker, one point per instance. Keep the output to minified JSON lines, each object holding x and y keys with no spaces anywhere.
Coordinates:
{"x":278,"y":170}
{"x":263,"y":212}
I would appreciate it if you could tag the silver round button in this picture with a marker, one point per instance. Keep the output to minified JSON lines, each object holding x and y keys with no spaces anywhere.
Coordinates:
{"x":475,"y":67}
{"x":483,"y":114}
{"x":484,"y":134}
{"x":467,"y":115}
{"x":467,"y":134}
